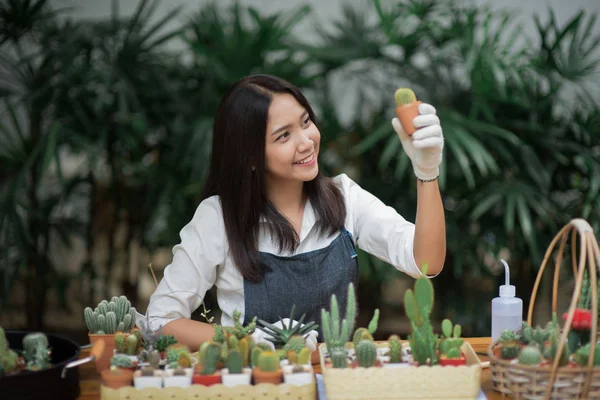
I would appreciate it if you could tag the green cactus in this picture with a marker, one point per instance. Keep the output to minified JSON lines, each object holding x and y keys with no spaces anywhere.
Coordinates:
{"x":551,"y":350}
{"x":582,"y":354}
{"x":41,"y":359}
{"x":238,"y":330}
{"x":339,"y":357}
{"x":508,"y":352}
{"x":3,"y":342}
{"x":210,"y":358}
{"x":109,"y":317}
{"x":530,"y":355}
{"x":121,"y":361}
{"x":233,"y":342}
{"x":121,"y":343}
{"x":268,"y":361}
{"x":334,"y":336}
{"x":219,"y":336}
{"x":508,"y":336}
{"x":256,"y":352}
{"x":361,"y":334}
{"x":395,"y":349}
{"x":404,"y":96}
{"x":184,"y":360}
{"x":234,"y":362}
{"x":366,"y":353}
{"x":8,"y":362}
{"x":304,"y":356}
{"x":244,"y":346}
{"x":374,"y":321}
{"x":451,"y":342}
{"x":418,"y":305}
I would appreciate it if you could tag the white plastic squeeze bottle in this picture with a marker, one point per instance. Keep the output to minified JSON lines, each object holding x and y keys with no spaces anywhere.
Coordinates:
{"x":507,"y":310}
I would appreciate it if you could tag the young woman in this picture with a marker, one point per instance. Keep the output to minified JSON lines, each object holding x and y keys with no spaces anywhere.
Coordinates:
{"x":273,"y":232}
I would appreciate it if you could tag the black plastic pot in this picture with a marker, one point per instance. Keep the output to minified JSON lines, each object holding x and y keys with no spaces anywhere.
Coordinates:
{"x":60,"y":381}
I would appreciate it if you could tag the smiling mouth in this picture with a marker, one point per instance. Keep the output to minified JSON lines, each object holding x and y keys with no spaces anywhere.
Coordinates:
{"x":305,"y":160}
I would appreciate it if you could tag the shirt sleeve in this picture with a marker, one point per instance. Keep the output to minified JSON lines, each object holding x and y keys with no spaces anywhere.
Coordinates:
{"x":193,"y":270}
{"x":380,"y":230}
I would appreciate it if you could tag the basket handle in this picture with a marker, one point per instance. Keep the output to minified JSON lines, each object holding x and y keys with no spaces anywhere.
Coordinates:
{"x":589,"y":249}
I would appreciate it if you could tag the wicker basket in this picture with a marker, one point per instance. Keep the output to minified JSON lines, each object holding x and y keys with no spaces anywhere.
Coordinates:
{"x":552,"y":382}
{"x":422,"y":383}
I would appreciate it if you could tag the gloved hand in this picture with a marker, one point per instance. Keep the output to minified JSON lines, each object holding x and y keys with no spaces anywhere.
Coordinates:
{"x":425,"y":146}
{"x":310,"y":338}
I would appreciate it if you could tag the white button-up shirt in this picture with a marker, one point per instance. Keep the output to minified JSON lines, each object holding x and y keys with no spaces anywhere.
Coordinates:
{"x":202,"y":258}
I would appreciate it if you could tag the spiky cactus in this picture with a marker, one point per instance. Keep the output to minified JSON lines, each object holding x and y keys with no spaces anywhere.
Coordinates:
{"x":31,"y":343}
{"x":121,"y":342}
{"x":582,"y":354}
{"x":551,"y":351}
{"x":295,"y":343}
{"x":304,"y":356}
{"x":395,"y":349}
{"x":418,"y":305}
{"x":339,"y":357}
{"x":121,"y":361}
{"x":244,"y":346}
{"x":210,"y":358}
{"x":530,"y":355}
{"x":133,"y":344}
{"x":268,"y":361}
{"x":256,"y":352}
{"x":336,"y":331}
{"x":366,"y":353}
{"x":451,"y":343}
{"x":234,"y":362}
{"x":109,"y":317}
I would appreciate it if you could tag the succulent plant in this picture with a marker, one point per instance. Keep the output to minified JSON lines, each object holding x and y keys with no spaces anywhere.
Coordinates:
{"x":8,"y":358}
{"x":418,"y":305}
{"x":304,"y":356}
{"x":244,"y":346}
{"x":256,"y":352}
{"x":530,"y":355}
{"x":121,"y":361}
{"x":395,"y":349}
{"x":268,"y":361}
{"x":339,"y":357}
{"x":336,"y":330}
{"x":404,"y":96}
{"x":451,"y":342}
{"x":280,"y":336}
{"x":109,"y":317}
{"x":366,"y":353}
{"x":210,"y":358}
{"x":234,"y":362}
{"x":551,"y":351}
{"x":582,"y":354}
{"x":31,"y":343}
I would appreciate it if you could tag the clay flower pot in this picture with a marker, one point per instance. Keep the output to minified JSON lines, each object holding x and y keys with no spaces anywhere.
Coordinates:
{"x":207,"y":380}
{"x":116,"y":378}
{"x":103,"y":362}
{"x":267,"y":377}
{"x":406,"y":113}
{"x":444,"y":362}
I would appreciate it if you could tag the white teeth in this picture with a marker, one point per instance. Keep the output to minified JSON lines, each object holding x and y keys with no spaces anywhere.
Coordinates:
{"x":306,"y":160}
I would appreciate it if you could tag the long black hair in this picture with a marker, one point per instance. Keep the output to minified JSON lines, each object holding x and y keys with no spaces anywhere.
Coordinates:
{"x":237,"y":174}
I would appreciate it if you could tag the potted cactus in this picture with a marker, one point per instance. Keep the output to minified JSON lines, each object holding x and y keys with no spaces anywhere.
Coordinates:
{"x":105,"y":321}
{"x":235,"y":374}
{"x":450,"y":346}
{"x":268,"y":369}
{"x":148,"y":377}
{"x":337,"y":331}
{"x":116,"y":378}
{"x":365,"y":354}
{"x":395,"y":357}
{"x":207,"y":373}
{"x":123,"y":361}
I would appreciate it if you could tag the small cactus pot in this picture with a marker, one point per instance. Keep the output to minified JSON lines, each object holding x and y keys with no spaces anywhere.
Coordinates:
{"x":142,"y":382}
{"x":455,"y":362}
{"x":208,"y":380}
{"x":117,"y":378}
{"x":406,"y":113}
{"x":267,"y":377}
{"x":298,"y":378}
{"x":103,"y":362}
{"x":172,"y":380}
{"x":231,"y":380}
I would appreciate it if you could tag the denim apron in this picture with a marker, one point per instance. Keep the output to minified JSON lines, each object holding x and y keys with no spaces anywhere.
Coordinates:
{"x":306,"y":280}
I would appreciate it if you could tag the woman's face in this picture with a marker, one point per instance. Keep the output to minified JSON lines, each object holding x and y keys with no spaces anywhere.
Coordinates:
{"x":292,"y":142}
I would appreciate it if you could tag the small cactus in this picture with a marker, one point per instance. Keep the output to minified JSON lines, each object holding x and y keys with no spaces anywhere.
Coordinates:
{"x":292,"y":357}
{"x":508,"y":352}
{"x":210,"y":358}
{"x":361,"y":334}
{"x":133,"y":344}
{"x":339,"y":357}
{"x":147,"y":371}
{"x":109,"y":317}
{"x":404,"y":96}
{"x":366,"y":353}
{"x":268,"y":361}
{"x":530,"y":355}
{"x":582,"y":354}
{"x":121,"y":361}
{"x":304,"y":356}
{"x":234,"y":362}
{"x":121,"y":343}
{"x":451,"y":343}
{"x":32,"y":342}
{"x":296,"y":343}
{"x":336,"y":330}
{"x":244,"y":346}
{"x":256,"y":352}
{"x":395,"y":349}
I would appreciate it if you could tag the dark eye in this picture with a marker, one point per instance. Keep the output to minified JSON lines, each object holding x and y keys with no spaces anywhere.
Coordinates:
{"x":283,"y":136}
{"x":306,"y":121}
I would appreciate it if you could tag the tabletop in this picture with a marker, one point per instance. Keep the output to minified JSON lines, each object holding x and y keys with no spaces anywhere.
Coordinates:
{"x":89,"y":379}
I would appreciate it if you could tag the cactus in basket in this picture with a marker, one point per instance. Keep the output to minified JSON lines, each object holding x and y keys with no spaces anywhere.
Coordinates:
{"x":210,"y":358}
{"x":582,"y":354}
{"x":366,"y":353}
{"x":551,"y":350}
{"x":280,"y":336}
{"x":268,"y":361}
{"x":418,"y":305}
{"x":109,"y":317}
{"x":366,"y":333}
{"x":451,"y":342}
{"x":395,"y":349}
{"x":510,"y":344}
{"x":530,"y":355}
{"x":336,"y":330}
{"x":538,"y":335}
{"x":234,"y":361}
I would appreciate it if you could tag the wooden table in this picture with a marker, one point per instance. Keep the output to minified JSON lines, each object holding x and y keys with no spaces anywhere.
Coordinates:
{"x":89,"y":379}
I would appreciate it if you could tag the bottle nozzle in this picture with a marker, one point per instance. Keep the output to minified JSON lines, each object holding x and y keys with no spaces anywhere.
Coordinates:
{"x":506,"y":290}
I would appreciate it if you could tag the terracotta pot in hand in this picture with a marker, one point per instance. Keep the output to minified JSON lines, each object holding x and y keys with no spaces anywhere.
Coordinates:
{"x":407,"y":108}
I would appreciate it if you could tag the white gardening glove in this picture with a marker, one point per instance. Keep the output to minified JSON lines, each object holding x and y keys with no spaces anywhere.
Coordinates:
{"x":310,"y":338}
{"x":425,"y":146}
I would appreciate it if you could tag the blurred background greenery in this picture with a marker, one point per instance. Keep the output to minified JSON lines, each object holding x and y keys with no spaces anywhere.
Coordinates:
{"x":105,"y":139}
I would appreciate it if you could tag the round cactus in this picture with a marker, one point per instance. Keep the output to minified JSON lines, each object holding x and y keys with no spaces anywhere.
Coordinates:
{"x":304,"y":356}
{"x":361,"y":334}
{"x":366,"y":353}
{"x":268,"y":361}
{"x":530,"y":355}
{"x":339,"y":357}
{"x":509,"y":352}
